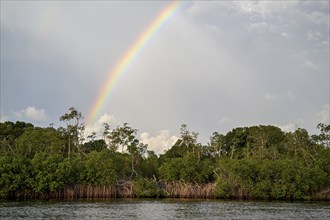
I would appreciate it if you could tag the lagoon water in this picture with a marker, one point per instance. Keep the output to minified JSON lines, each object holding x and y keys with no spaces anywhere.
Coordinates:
{"x":163,"y":209}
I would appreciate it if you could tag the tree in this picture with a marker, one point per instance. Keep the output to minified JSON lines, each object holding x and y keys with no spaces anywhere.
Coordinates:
{"x":35,"y":140}
{"x":188,"y":168}
{"x":235,"y":140}
{"x":149,"y":166}
{"x":74,"y":129}
{"x":297,"y":143}
{"x":93,"y":145}
{"x":43,"y":169}
{"x":9,"y":132}
{"x":99,"y":168}
{"x":14,"y":175}
{"x":324,"y":137}
{"x":106,"y":132}
{"x":188,"y":138}
{"x":261,"y":138}
{"x":122,"y":136}
{"x":125,"y":137}
{"x":217,"y":142}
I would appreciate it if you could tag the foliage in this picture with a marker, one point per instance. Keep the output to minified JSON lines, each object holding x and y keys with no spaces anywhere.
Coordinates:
{"x":268,"y":179}
{"x":188,"y":168}
{"x":148,"y":188}
{"x":257,"y":162}
{"x":99,"y":168}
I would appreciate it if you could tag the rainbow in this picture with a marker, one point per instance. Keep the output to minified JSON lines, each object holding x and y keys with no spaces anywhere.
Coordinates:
{"x":120,"y":68}
{"x":46,"y":18}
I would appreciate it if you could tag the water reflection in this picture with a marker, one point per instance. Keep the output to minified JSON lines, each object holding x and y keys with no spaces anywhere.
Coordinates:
{"x":162,"y":209}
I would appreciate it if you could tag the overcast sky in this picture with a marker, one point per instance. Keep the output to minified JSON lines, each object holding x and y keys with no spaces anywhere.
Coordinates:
{"x":214,"y":66}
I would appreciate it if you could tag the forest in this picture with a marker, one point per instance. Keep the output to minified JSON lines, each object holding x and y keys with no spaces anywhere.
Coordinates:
{"x":257,"y":162}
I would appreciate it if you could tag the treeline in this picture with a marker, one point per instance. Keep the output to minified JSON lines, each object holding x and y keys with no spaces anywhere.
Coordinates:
{"x":258,"y":162}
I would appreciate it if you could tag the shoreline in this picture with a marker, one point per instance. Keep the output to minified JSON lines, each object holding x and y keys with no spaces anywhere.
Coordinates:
{"x":130,"y":190}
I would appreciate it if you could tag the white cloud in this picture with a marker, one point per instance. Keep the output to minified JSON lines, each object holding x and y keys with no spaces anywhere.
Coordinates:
{"x":265,"y":8}
{"x":317,"y":17}
{"x":260,"y":27}
{"x":33,"y":113}
{"x":224,"y":120}
{"x":214,"y":29}
{"x":97,"y":127}
{"x":4,"y":118}
{"x":313,"y":35}
{"x":290,"y":127}
{"x":162,"y":141}
{"x":323,"y":114}
{"x":310,"y":65}
{"x":176,"y":78}
{"x":268,"y":96}
{"x":325,"y":43}
{"x":290,"y":95}
{"x":305,"y":60}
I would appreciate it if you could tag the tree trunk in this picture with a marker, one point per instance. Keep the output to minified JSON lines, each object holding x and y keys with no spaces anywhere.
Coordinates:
{"x":69,"y":147}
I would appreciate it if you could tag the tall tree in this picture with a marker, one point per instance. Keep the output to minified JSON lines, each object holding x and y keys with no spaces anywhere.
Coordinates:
{"x":217,"y":142}
{"x":74,"y":129}
{"x":324,"y":137}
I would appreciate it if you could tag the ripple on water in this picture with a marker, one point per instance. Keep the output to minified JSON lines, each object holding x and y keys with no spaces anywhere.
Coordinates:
{"x":162,"y":209}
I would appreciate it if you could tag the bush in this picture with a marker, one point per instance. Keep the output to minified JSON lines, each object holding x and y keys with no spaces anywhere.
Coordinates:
{"x":148,"y":188}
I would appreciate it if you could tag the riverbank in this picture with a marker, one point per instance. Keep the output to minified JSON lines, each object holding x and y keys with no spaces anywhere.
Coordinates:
{"x":150,"y":189}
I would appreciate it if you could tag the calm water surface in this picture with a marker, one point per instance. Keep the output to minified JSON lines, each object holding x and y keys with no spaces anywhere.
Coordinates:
{"x":162,"y":209}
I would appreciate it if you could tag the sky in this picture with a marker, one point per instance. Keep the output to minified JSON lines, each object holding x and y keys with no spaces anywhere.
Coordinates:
{"x":213,"y":65}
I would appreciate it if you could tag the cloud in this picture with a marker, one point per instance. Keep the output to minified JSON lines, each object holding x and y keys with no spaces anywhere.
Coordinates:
{"x":305,"y":58}
{"x":289,"y":95}
{"x":323,"y":115}
{"x":313,"y":35}
{"x":4,"y":118}
{"x":265,"y":8}
{"x":260,"y":27}
{"x":290,"y":127}
{"x":224,"y":120}
{"x":318,"y":18}
{"x":32,"y":113}
{"x":310,"y":64}
{"x":159,"y":143}
{"x":98,"y":126}
{"x":162,"y":141}
{"x":269,"y":96}
{"x":176,"y":78}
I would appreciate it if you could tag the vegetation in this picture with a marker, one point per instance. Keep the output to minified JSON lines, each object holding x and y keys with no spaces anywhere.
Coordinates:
{"x":258,"y":162}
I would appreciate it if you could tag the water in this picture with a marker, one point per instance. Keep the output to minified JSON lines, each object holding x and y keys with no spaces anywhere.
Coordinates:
{"x":162,"y":209}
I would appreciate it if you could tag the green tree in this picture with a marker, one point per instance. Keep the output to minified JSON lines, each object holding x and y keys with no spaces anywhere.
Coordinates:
{"x":43,"y":169}
{"x":93,"y":145}
{"x":149,"y":166}
{"x":99,"y":168}
{"x":324,"y":137}
{"x":35,"y":140}
{"x":261,"y":138}
{"x":217,"y":142}
{"x":74,"y":129}
{"x":235,"y":140}
{"x":9,"y":132}
{"x":125,"y":137}
{"x":188,"y":168}
{"x":14,"y":175}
